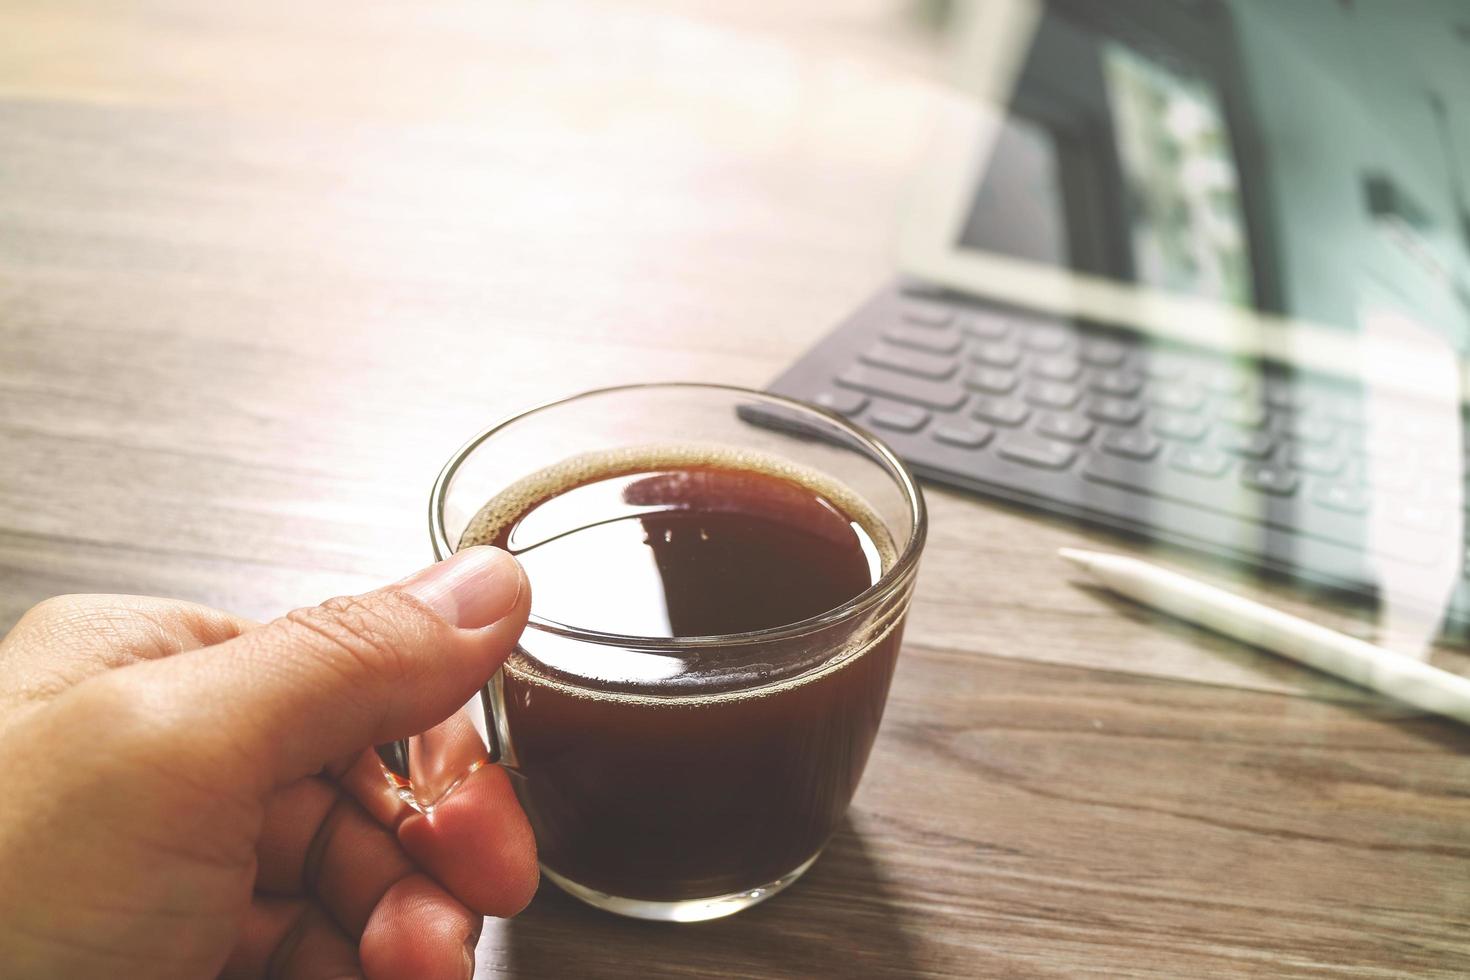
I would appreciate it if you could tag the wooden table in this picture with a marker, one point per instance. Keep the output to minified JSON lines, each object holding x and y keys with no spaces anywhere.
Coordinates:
{"x":264,"y":266}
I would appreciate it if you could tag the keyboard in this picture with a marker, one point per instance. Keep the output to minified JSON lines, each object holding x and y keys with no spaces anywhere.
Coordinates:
{"x":1234,"y":458}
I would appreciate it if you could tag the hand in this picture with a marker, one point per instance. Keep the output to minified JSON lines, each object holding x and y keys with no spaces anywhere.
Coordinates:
{"x":187,"y":794}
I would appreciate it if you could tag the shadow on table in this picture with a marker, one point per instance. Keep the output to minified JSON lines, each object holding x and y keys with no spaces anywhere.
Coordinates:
{"x":840,"y":919}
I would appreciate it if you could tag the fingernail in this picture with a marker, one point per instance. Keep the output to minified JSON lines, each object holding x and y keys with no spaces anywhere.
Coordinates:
{"x":473,"y":588}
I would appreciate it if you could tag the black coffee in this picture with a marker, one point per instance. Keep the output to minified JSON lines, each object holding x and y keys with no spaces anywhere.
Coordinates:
{"x":660,"y":777}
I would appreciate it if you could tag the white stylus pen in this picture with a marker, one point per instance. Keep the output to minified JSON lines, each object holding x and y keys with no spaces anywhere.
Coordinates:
{"x":1394,"y":674}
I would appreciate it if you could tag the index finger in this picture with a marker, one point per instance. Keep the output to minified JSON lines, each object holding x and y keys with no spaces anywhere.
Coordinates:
{"x":63,"y":641}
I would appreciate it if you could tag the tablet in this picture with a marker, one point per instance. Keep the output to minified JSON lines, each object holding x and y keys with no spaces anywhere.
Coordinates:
{"x":1279,"y":180}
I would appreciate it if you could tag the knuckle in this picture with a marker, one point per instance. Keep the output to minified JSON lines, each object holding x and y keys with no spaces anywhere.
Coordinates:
{"x":69,"y":619}
{"x":48,"y":609}
{"x":56,"y":615}
{"x":368,"y":633}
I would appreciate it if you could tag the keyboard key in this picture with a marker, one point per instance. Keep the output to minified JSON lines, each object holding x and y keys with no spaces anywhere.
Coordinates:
{"x":1243,"y":413}
{"x":986,"y":325}
{"x":1383,"y":448}
{"x":1057,"y":368}
{"x":920,"y":289}
{"x":923,"y":365}
{"x":1236,"y":499}
{"x":1172,"y":425}
{"x":941,"y":396}
{"x":998,"y":354}
{"x":936,"y":340}
{"x":1199,"y":459}
{"x":1179,"y":398}
{"x":927,"y":314}
{"x":1103,"y":353}
{"x":1270,"y":478}
{"x":842,"y":402}
{"x":1132,"y":443}
{"x":1342,"y":497}
{"x":1227,"y":381}
{"x":963,"y":435}
{"x":1115,"y":411}
{"x":1046,"y":338}
{"x":1164,"y":367}
{"x":900,"y":418}
{"x":923,"y":290}
{"x":1001,"y":411}
{"x":1347,"y":409}
{"x":1283,"y":394}
{"x":1325,"y":462}
{"x":1318,"y":432}
{"x":1126,"y":383}
{"x":997,"y":381}
{"x":1356,"y":472}
{"x":1021,"y":448}
{"x":1231,"y":497}
{"x":1245,"y":442}
{"x":1052,"y":394}
{"x":1059,"y":425}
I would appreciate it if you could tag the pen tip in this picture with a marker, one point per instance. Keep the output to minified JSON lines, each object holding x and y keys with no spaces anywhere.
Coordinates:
{"x":1082,"y":559}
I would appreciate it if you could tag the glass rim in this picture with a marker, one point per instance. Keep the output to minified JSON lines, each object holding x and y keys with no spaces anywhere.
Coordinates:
{"x":858,"y":604}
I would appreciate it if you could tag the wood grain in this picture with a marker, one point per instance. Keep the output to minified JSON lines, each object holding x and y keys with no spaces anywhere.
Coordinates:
{"x":264,"y":266}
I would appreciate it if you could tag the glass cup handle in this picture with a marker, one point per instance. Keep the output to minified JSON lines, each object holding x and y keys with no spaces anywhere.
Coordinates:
{"x":425,"y":768}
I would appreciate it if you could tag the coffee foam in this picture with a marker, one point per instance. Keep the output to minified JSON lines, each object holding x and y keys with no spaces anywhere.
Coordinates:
{"x":507,"y":506}
{"x":510,"y":504}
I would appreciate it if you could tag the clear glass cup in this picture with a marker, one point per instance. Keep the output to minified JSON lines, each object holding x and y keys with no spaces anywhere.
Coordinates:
{"x":652,"y":799}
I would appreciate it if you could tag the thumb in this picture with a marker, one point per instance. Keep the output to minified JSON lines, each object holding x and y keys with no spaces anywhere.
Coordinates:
{"x":282,"y":701}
